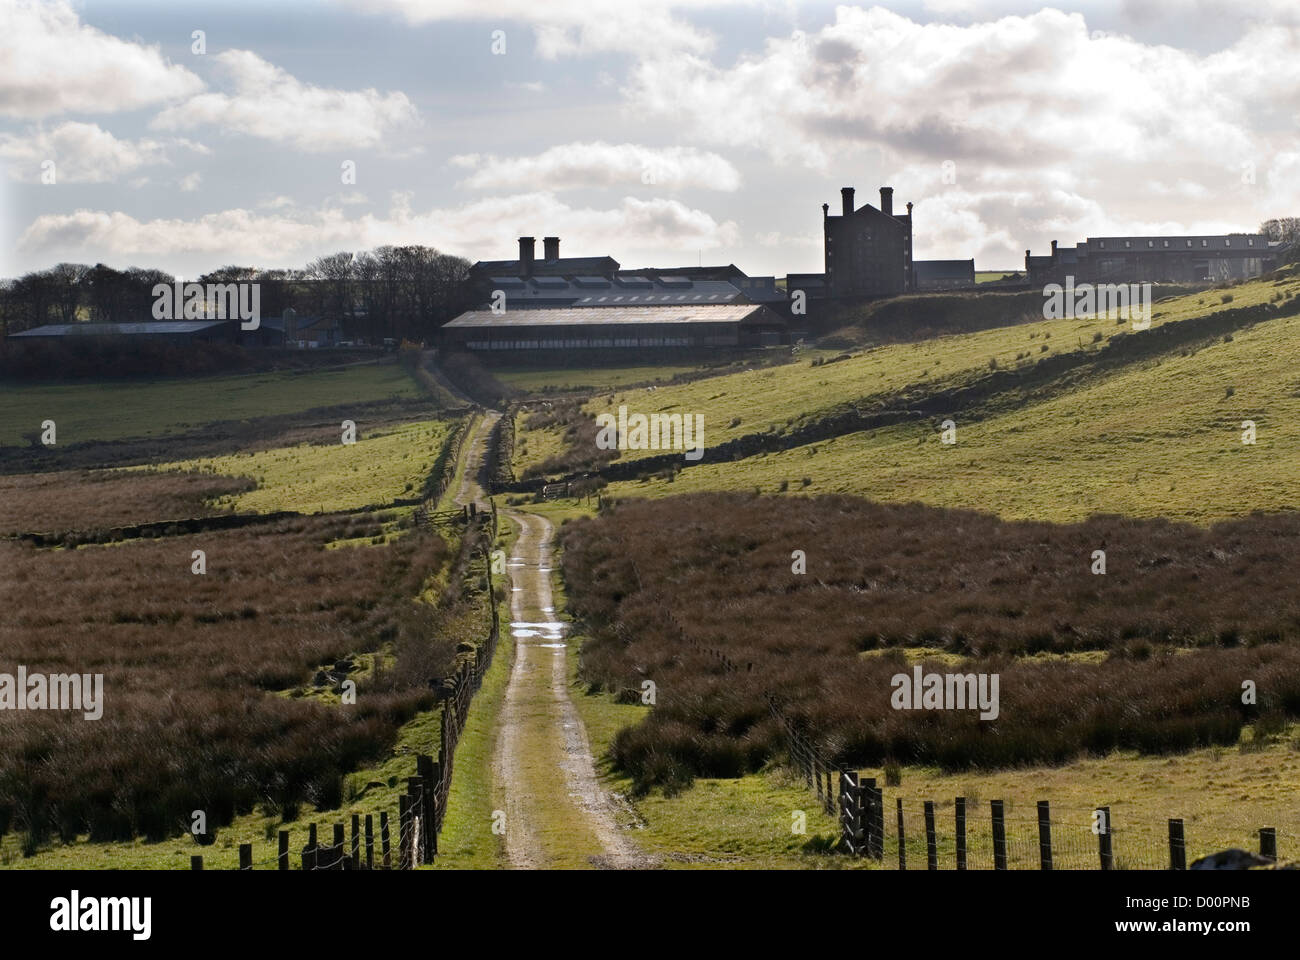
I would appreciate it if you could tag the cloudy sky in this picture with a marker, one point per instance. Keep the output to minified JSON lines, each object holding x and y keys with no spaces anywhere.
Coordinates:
{"x":660,"y":132}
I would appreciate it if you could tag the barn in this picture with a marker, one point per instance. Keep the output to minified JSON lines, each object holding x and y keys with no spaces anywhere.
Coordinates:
{"x":688,"y":325}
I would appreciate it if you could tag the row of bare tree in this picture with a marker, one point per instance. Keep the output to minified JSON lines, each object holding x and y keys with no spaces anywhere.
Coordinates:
{"x":397,"y":292}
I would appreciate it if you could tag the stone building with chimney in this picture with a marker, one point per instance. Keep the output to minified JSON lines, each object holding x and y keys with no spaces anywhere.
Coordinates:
{"x":868,"y":251}
{"x":1178,"y":259}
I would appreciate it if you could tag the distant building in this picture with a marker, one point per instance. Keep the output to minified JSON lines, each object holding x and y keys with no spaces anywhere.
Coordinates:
{"x":582,"y":303}
{"x":1177,"y":259}
{"x":944,"y":274}
{"x":174,"y":331}
{"x":608,"y":327}
{"x":868,"y":251}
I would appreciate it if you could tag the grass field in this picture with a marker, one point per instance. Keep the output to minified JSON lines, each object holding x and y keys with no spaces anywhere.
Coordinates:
{"x":118,"y":410}
{"x":384,"y":464}
{"x":777,"y":398}
{"x":1118,"y":443}
{"x":539,"y":380}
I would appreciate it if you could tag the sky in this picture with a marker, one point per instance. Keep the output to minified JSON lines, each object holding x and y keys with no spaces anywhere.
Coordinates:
{"x":192,"y":135}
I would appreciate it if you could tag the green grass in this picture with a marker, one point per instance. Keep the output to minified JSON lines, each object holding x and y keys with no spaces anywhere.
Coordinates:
{"x":124,"y":409}
{"x":535,"y":380}
{"x":987,"y":276}
{"x":1120,"y":443}
{"x":777,"y":398}
{"x":532,"y":447}
{"x":746,"y":823}
{"x":382,"y":466}
{"x":467,"y":841}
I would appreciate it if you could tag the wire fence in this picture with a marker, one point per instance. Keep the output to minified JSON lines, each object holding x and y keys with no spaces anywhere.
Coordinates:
{"x":423,"y":807}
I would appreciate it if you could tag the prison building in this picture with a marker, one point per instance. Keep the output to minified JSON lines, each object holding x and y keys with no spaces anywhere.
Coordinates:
{"x":944,"y":275}
{"x":617,"y":327}
{"x":1176,"y":259}
{"x":532,"y":293}
{"x":868,"y":251}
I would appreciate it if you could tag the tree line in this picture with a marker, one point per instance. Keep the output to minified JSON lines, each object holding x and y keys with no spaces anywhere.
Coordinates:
{"x":391,"y":291}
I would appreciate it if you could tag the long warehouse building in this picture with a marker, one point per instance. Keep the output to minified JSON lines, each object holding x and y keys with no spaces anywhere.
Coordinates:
{"x":597,"y":327}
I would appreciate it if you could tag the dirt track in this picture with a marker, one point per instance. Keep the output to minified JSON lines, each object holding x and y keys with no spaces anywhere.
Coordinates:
{"x":540,"y":729}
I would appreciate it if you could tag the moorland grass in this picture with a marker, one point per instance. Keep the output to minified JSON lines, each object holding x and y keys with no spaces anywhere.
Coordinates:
{"x":115,"y":410}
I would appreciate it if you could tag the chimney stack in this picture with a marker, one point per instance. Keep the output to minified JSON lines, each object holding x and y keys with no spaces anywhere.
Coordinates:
{"x":887,"y":201}
{"x":909,"y":208}
{"x":846,"y":195}
{"x":826,"y":210}
{"x":551,"y":247}
{"x":526,"y":255}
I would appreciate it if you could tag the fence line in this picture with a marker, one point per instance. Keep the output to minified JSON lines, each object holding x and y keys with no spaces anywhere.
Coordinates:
{"x":1045,"y":841}
{"x":423,"y":807}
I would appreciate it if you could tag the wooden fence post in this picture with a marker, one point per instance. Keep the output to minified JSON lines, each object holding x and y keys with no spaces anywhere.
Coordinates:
{"x":850,"y":816}
{"x":356,"y":840}
{"x":959,"y":812}
{"x":931,"y":842}
{"x":404,"y":831}
{"x":370,"y":842}
{"x":876,"y":808}
{"x":415,"y":789}
{"x":245,"y":856}
{"x":196,"y":861}
{"x":1177,"y":846}
{"x":425,"y":766}
{"x":309,"y":851}
{"x":282,"y":855}
{"x":1044,"y":834}
{"x":383,"y":840}
{"x":999,"y":835}
{"x":1268,"y":843}
{"x":830,"y":795}
{"x":1105,"y":848}
{"x":902,"y":846}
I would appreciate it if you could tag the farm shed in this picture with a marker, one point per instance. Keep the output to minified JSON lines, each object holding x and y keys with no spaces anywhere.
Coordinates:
{"x":613,"y":327}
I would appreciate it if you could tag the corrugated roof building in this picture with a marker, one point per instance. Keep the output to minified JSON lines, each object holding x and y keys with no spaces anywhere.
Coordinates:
{"x":617,"y":326}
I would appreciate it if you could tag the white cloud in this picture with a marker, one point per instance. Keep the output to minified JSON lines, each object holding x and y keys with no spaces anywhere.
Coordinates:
{"x":1050,"y":126}
{"x":83,"y":153}
{"x":485,"y":228}
{"x":599,"y":164}
{"x":53,"y":64}
{"x":190,"y":182}
{"x":270,"y":103}
{"x":570,"y":27}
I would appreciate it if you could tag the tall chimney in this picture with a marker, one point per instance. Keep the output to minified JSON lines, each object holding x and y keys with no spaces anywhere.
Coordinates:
{"x":887,"y":201}
{"x":551,"y":247}
{"x":846,"y":195}
{"x":909,"y":208}
{"x":826,"y":210}
{"x":526,"y":255}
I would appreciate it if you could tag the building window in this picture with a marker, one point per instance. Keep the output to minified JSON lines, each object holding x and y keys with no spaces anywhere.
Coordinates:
{"x":1102,"y":244}
{"x":1205,"y":243}
{"x":1166,"y":243}
{"x":1250,"y":243}
{"x":1227,"y":242}
{"x":1151,"y":243}
{"x":1128,"y":243}
{"x":1189,"y":243}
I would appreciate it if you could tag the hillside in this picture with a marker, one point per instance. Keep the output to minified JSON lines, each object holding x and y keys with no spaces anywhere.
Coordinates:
{"x":1145,"y":427}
